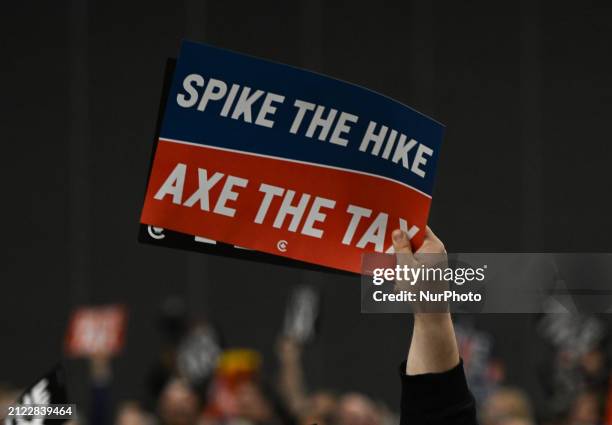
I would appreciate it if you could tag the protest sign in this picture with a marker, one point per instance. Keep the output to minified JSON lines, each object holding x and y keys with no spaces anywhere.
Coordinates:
{"x":96,"y":330}
{"x":301,"y":314}
{"x":280,"y":160}
{"x":45,"y":401}
{"x":197,"y":355}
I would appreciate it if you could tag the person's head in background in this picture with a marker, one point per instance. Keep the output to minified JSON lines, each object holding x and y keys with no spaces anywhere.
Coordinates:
{"x":130,"y":413}
{"x":252,"y":405}
{"x":516,"y":421}
{"x":257,"y":403}
{"x":320,"y":408}
{"x":594,"y":367}
{"x":357,"y":409}
{"x":178,"y":404}
{"x":586,"y":409}
{"x":507,"y":406}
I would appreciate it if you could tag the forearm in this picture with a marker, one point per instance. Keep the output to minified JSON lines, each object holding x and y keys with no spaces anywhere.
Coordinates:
{"x":291,"y":383}
{"x":291,"y":378}
{"x":101,"y":377}
{"x":434,"y":388}
{"x":433,"y":348}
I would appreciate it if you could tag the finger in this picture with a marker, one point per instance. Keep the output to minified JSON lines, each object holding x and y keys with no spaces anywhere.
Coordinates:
{"x":430,"y":235}
{"x":401,"y":242}
{"x":403,"y":251}
{"x":431,"y":243}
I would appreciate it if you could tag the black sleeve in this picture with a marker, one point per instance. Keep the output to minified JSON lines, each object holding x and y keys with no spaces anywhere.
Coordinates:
{"x":437,"y":398}
{"x":100,"y":404}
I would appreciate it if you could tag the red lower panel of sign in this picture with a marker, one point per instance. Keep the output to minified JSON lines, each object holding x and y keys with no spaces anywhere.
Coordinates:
{"x":306,"y":212}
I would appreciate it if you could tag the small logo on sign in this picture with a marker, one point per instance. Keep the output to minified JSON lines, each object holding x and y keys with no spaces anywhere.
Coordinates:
{"x":282,"y":245}
{"x":156,"y":232}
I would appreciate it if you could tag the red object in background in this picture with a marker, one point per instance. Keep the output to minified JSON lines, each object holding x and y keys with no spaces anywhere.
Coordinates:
{"x":96,"y":331}
{"x":235,"y":368}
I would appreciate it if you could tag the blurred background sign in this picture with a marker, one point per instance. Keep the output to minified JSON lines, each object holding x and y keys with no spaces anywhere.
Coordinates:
{"x":96,"y":330}
{"x":301,"y":314}
{"x":49,"y":389}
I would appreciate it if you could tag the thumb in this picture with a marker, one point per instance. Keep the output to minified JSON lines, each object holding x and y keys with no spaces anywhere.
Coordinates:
{"x":401,"y":243}
{"x":403,"y":249}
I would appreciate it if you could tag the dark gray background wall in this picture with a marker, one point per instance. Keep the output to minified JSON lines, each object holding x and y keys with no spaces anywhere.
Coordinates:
{"x":524,"y":88}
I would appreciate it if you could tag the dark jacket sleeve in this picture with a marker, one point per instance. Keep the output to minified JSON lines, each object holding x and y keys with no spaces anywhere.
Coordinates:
{"x":437,"y":398}
{"x":100,"y":404}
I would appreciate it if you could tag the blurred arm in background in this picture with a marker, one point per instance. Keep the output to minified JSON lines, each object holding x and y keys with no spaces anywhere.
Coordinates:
{"x":319,"y":407}
{"x":101,"y":376}
{"x":291,"y":379}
